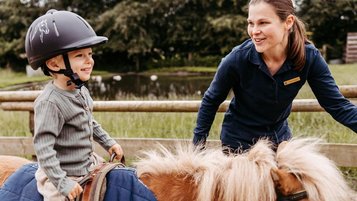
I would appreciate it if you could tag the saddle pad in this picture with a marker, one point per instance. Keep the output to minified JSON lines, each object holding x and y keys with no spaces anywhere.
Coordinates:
{"x":124,"y":185}
{"x":21,"y":185}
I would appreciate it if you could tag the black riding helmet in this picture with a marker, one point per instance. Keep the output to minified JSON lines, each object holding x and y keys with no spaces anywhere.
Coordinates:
{"x":56,"y":33}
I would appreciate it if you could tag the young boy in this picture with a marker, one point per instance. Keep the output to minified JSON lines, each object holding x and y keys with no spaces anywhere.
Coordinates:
{"x":59,"y":43}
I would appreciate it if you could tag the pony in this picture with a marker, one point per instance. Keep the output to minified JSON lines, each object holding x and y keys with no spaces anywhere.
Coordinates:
{"x":296,"y":171}
{"x":317,"y":175}
{"x":9,"y":164}
{"x":186,"y":173}
{"x":195,"y":174}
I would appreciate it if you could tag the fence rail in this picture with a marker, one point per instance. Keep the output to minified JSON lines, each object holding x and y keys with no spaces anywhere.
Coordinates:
{"x":349,"y":91}
{"x":23,"y":101}
{"x":342,"y":154}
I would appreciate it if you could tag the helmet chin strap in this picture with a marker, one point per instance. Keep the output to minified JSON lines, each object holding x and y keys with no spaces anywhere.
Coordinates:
{"x":74,"y":78}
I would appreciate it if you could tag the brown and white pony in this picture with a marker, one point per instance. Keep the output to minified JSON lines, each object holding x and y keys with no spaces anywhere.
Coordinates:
{"x":182,"y":173}
{"x":297,"y":171}
{"x":8,"y":165}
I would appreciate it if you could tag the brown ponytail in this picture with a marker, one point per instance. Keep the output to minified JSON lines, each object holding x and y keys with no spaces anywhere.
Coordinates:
{"x":296,"y":44}
{"x":297,"y":37}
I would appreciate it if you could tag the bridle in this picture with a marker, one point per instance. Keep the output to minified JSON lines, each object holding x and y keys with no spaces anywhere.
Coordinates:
{"x":293,"y":197}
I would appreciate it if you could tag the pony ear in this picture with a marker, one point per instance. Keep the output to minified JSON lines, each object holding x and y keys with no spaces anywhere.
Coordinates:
{"x":281,"y":145}
{"x":275,"y":174}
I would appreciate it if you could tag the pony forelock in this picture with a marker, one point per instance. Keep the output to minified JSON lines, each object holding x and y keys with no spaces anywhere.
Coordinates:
{"x":319,"y":175}
{"x":247,"y":176}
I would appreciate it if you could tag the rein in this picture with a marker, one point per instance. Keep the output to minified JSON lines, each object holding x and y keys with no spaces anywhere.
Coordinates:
{"x":294,"y":197}
{"x":94,"y":183}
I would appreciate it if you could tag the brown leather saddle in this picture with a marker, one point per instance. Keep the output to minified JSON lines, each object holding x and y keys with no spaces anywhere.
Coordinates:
{"x":94,"y":184}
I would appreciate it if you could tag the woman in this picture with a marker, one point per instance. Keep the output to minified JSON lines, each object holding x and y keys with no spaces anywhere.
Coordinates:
{"x":266,"y":72}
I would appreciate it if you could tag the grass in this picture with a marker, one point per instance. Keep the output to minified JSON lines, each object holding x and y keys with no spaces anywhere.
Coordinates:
{"x":9,"y":78}
{"x":181,"y":125}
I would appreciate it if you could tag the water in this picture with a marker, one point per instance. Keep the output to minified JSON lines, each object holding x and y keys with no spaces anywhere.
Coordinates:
{"x":151,"y":87}
{"x":141,"y":87}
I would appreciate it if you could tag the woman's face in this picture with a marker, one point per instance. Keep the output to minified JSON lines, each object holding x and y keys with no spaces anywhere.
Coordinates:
{"x":268,"y":33}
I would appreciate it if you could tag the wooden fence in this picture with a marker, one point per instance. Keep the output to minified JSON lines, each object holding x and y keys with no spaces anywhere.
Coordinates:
{"x":351,"y":48}
{"x":342,"y":154}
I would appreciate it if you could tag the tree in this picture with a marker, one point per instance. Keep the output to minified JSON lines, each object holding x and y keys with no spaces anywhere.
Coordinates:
{"x":13,"y":22}
{"x":329,"y":21}
{"x":161,"y":29}
{"x":17,"y":16}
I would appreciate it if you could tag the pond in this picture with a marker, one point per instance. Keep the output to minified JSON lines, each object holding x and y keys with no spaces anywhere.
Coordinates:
{"x":134,"y":86}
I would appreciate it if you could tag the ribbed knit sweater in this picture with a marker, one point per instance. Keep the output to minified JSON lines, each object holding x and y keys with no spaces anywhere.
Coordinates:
{"x":64,"y":134}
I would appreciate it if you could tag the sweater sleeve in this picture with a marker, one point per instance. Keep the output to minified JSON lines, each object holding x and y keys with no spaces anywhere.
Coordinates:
{"x":48,"y":123}
{"x":328,"y":95}
{"x":213,"y":97}
{"x":101,"y":136}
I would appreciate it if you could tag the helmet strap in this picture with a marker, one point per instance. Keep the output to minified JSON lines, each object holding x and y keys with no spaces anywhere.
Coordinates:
{"x":74,"y":78}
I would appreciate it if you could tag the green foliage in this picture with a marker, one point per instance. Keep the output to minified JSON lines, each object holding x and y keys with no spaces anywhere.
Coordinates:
{"x":152,"y":31}
{"x":13,"y":22}
{"x":17,"y":16}
{"x":329,"y":21}
{"x":160,"y":29}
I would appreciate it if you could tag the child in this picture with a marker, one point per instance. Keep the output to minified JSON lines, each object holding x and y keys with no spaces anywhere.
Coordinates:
{"x":59,"y":43}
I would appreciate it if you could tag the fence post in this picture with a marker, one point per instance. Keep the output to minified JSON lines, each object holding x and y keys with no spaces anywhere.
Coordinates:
{"x":32,"y":122}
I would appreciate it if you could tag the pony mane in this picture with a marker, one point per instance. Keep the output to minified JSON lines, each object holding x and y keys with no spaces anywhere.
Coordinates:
{"x":319,"y":175}
{"x":245,"y":176}
{"x":183,"y":159}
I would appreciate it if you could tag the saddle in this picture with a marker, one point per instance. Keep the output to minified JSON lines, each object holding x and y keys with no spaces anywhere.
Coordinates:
{"x":94,"y":184}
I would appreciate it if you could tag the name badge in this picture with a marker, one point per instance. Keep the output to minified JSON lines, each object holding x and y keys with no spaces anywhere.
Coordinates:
{"x":293,"y":80}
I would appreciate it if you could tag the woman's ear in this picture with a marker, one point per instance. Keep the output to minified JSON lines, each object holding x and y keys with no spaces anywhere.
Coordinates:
{"x":290,"y":20}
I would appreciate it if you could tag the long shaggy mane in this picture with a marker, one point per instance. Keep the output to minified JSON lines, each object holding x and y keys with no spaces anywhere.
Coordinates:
{"x":216,"y":176}
{"x":319,"y":175}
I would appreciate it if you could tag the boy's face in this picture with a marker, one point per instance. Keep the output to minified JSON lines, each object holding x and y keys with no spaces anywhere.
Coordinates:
{"x":82,"y":62}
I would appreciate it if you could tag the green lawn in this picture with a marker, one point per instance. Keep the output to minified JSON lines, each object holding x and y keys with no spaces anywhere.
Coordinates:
{"x":181,"y":125}
{"x":175,"y":125}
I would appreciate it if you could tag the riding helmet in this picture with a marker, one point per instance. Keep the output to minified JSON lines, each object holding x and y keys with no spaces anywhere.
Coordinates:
{"x":55,"y":33}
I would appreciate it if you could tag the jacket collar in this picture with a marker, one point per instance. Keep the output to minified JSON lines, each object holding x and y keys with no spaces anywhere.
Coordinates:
{"x":256,"y":58}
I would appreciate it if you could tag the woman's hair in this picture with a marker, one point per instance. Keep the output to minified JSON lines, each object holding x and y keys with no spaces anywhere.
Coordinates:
{"x":297,"y":37}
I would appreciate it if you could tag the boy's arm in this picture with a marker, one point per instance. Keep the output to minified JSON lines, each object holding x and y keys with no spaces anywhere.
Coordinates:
{"x":48,"y":121}
{"x":102,"y":137}
{"x":108,"y":143}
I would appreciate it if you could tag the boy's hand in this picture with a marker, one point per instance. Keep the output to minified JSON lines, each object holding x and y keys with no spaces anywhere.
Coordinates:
{"x":75,"y":192}
{"x":116,"y":148}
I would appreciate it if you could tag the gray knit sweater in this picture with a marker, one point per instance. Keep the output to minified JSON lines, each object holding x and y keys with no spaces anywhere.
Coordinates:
{"x":64,"y":133}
